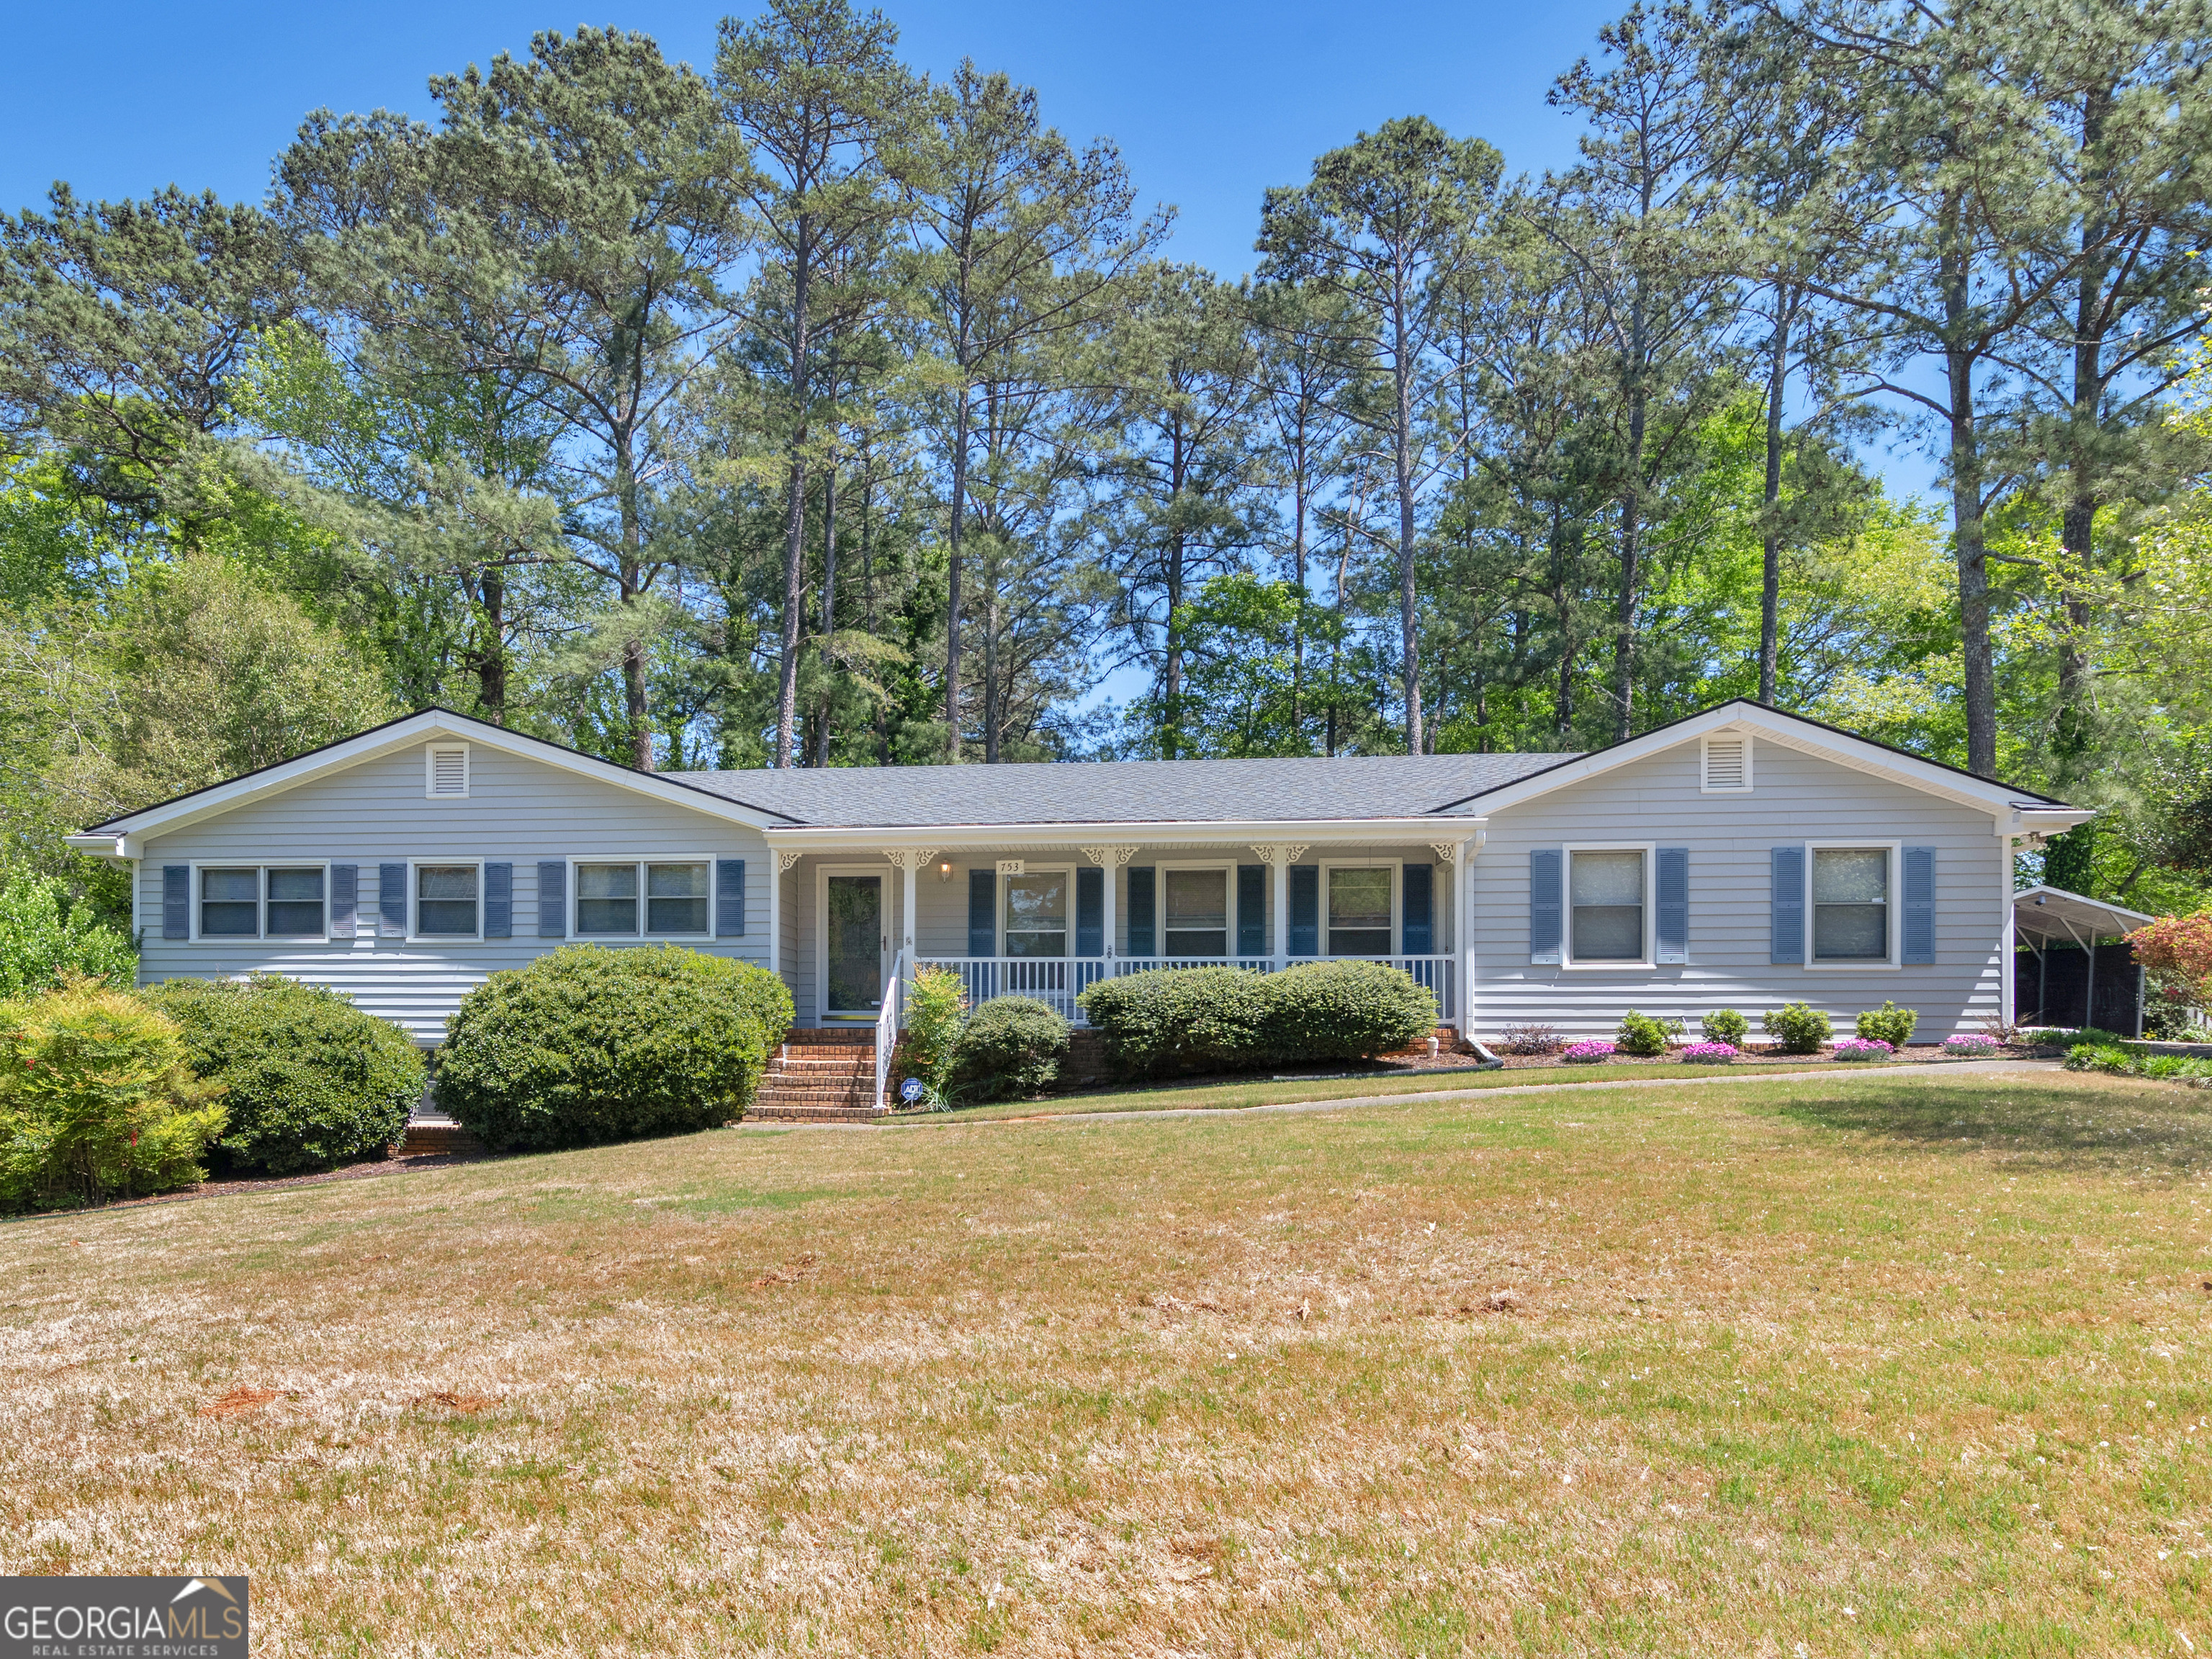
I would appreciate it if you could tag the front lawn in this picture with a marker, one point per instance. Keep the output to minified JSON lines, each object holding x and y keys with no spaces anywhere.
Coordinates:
{"x":1851,"y":1365}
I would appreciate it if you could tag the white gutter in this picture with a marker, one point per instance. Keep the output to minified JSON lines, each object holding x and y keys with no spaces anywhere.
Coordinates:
{"x":1427,"y":827}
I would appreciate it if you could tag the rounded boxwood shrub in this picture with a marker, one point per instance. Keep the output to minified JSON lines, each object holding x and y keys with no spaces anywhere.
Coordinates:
{"x":1180,"y":1020}
{"x":1640,"y":1035}
{"x":309,"y":1079}
{"x":1799,"y":1028}
{"x":1726,"y":1025}
{"x":1344,"y":1010}
{"x":1888,"y":1024}
{"x":1009,"y":1048}
{"x":590,"y":1044}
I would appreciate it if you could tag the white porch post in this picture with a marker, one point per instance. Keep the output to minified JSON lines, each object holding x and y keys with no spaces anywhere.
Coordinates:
{"x":908,"y":862}
{"x":1109,"y":859}
{"x":779,"y":866}
{"x":1279,"y":858}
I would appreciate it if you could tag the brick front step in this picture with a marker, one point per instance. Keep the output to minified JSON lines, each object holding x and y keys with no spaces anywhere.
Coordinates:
{"x":770,"y":1111}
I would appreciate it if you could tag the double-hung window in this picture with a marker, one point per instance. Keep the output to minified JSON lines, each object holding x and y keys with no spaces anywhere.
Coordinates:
{"x":641,"y":898}
{"x":1036,"y":912}
{"x":260,"y":902}
{"x":1605,"y":897}
{"x":1851,"y":904}
{"x":1359,"y":918}
{"x":1197,"y":903}
{"x":446,"y":898}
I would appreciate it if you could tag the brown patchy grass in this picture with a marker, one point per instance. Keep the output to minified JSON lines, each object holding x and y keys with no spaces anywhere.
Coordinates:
{"x":1852,"y":1366}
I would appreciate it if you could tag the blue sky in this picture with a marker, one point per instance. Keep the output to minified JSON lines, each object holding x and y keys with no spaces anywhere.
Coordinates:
{"x":1211,"y":102}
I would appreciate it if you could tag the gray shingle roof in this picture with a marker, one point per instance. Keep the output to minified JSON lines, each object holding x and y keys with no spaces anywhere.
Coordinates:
{"x":1121,"y":791}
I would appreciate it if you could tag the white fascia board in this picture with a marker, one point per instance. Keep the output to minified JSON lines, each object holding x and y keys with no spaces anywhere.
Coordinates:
{"x":1999,"y":800}
{"x":1147,"y":832}
{"x":403,"y":734}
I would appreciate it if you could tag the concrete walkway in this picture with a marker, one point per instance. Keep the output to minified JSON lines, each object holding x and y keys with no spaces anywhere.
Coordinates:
{"x":1918,"y":1072}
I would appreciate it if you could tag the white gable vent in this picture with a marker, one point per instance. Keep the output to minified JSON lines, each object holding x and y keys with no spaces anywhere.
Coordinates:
{"x":1727,"y":765}
{"x":446,"y":769}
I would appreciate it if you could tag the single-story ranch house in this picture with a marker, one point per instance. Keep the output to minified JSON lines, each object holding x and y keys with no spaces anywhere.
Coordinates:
{"x":1740,"y":858}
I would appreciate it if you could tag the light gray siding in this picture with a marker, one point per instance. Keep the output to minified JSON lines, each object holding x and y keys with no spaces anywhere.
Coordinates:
{"x":1797,"y":797}
{"x":517,"y":810}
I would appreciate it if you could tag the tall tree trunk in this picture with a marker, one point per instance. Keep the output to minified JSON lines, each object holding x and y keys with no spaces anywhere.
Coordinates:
{"x":991,"y":687}
{"x":491,"y":659}
{"x":1966,"y":503}
{"x":1402,"y":375}
{"x":952,"y":581}
{"x":1631,"y":526}
{"x":794,"y":518}
{"x":1770,"y":587}
{"x":1298,"y":623}
{"x":630,"y":576}
{"x":2078,"y":520}
{"x":829,"y":606}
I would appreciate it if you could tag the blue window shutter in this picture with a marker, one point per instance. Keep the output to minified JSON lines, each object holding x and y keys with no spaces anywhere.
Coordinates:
{"x":1252,"y":910}
{"x":1306,"y":910}
{"x":1919,"y":942}
{"x":1091,"y":912}
{"x":1418,"y":924}
{"x":1141,"y":942}
{"x":176,"y":901}
{"x":1546,"y":877}
{"x":1674,"y":918}
{"x":499,"y":901}
{"x":345,"y":899}
{"x":729,"y":898}
{"x":983,"y":912}
{"x":1788,"y":902}
{"x":552,"y":898}
{"x":392,"y":899}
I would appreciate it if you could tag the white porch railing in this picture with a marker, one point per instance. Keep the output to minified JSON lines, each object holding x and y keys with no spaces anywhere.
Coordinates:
{"x":1059,"y":981}
{"x":888,"y":1022}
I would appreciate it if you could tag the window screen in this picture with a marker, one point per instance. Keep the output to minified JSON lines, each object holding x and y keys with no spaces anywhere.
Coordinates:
{"x":1198,"y":912}
{"x":606,"y":898}
{"x":1606,"y":891}
{"x":1359,"y":912}
{"x":1851,"y":904}
{"x":445,"y":901}
{"x":1036,"y":914}
{"x":675,"y":898}
{"x":230,"y":903}
{"x":296,"y":903}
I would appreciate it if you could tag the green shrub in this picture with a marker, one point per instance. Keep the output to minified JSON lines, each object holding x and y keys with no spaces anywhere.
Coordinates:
{"x":308,"y":1079}
{"x":1888,"y":1024}
{"x":1800,"y":1029}
{"x":1725,"y":1025}
{"x":1343,"y":1011}
{"x":96,"y":1100}
{"x":1640,"y":1035}
{"x":45,"y":939}
{"x":2168,"y":1068}
{"x":590,"y":1044}
{"x":2100,"y":1057}
{"x":1010,"y":1049}
{"x":2088,"y":1033}
{"x":1180,"y":1020}
{"x":934,"y":1003}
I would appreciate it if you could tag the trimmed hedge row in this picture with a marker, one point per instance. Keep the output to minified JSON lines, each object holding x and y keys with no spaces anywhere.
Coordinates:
{"x":589,"y":1044}
{"x":1228,"y":1019}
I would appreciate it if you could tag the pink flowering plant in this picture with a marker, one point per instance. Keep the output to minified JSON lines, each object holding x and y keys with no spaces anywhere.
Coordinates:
{"x":1974,"y":1045}
{"x":1862,"y":1048}
{"x":1588,"y":1054}
{"x":1708,"y":1054}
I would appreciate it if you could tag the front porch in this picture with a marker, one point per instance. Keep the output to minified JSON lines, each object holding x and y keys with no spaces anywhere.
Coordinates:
{"x":851,"y":924}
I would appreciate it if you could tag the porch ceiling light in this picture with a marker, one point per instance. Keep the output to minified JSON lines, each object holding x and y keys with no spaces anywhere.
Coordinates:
{"x":944,"y":869}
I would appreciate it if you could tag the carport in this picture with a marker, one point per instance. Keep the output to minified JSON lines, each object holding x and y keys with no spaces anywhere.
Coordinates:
{"x":2043,"y":917}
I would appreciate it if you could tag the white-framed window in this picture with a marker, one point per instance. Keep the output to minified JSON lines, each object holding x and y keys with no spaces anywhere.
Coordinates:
{"x":260,"y":901}
{"x":1197,"y":911}
{"x":1359,"y":907}
{"x":1724,"y":764}
{"x":448,"y":899}
{"x":1850,"y":906}
{"x":446,"y":771}
{"x":1609,"y":907}
{"x":642,"y":898}
{"x":1037,"y":911}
